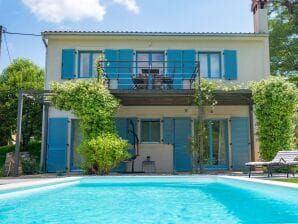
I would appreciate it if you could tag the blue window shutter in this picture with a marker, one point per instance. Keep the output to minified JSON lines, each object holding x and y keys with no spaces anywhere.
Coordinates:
{"x":125,"y":69}
{"x":230,"y":64}
{"x":111,"y":64}
{"x":182,"y":151}
{"x":175,"y":67}
{"x":240,"y":142}
{"x":188,"y":63}
{"x":57,"y":143}
{"x":168,"y":130}
{"x":68,"y":64}
{"x":121,"y":125}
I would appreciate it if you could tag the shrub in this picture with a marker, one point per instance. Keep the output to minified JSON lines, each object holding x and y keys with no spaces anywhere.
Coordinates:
{"x":33,"y":148}
{"x":2,"y":172}
{"x":275,"y":104}
{"x":29,"y":166}
{"x":103,"y":153}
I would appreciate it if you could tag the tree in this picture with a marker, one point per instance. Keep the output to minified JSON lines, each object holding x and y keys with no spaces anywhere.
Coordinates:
{"x":283,"y":39}
{"x":20,"y":74}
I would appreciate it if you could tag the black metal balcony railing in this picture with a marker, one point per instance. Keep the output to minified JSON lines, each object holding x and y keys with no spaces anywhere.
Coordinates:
{"x":148,"y":75}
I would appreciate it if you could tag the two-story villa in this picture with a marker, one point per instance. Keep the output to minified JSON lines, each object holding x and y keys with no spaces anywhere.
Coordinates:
{"x":152,"y":74}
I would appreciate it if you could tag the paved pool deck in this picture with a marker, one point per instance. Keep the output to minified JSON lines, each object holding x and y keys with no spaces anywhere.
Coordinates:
{"x":7,"y":183}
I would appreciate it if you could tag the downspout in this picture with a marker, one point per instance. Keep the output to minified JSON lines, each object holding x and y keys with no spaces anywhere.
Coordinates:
{"x":252,"y":138}
{"x":44,"y":42}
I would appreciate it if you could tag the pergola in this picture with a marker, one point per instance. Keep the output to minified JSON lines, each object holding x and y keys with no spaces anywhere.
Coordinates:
{"x":40,"y":96}
{"x":130,"y":98}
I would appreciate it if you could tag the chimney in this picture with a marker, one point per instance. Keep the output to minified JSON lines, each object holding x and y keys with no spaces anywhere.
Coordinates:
{"x":260,"y":11}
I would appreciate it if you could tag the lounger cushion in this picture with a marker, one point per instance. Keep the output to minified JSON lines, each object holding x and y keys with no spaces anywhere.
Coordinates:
{"x":257,"y":163}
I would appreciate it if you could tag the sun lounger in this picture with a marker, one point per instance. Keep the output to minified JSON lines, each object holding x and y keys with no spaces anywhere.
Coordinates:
{"x":282,"y":158}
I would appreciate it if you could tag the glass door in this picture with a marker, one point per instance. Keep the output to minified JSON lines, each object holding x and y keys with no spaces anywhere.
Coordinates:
{"x":76,"y":139}
{"x":216,"y":144}
{"x":151,"y":66}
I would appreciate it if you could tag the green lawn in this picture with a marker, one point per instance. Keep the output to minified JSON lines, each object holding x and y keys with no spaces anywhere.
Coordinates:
{"x":290,"y":180}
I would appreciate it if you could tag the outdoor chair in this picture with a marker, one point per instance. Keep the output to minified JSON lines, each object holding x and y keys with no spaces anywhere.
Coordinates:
{"x":282,"y":159}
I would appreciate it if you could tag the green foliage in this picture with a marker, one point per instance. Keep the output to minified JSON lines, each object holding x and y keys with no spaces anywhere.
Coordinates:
{"x":3,"y":150}
{"x":96,"y":108}
{"x":20,"y":74}
{"x":90,"y":101}
{"x":294,"y":79}
{"x":29,"y":166}
{"x":208,"y":88}
{"x":283,"y":41}
{"x":32,"y":147}
{"x":288,"y":180}
{"x":99,"y":67}
{"x":104,"y":152}
{"x":275,"y":105}
{"x":2,"y":172}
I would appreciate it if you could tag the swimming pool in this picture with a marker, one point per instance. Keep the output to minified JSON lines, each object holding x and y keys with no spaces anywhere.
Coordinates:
{"x":151,"y":200}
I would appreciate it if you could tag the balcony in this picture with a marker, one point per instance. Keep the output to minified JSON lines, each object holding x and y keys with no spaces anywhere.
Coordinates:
{"x":157,"y":76}
{"x":168,"y":84}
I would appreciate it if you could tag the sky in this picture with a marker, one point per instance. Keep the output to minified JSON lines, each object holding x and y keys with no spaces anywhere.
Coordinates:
{"x":35,"y":16}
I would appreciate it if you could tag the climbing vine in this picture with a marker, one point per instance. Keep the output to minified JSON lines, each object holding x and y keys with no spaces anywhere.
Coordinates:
{"x":208,"y":89}
{"x":275,"y":105}
{"x":96,"y":107}
{"x":204,"y":97}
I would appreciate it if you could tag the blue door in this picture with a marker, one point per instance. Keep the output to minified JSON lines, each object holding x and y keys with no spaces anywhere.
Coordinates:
{"x":57,"y":143}
{"x":182,"y":151}
{"x":240,"y":142}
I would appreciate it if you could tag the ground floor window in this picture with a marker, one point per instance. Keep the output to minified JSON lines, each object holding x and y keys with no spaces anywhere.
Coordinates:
{"x":216,"y":143}
{"x":150,"y":131}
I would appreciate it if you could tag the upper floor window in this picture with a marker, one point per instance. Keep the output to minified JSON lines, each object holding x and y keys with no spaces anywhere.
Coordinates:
{"x":210,"y":64}
{"x":150,"y":62}
{"x":87,"y":64}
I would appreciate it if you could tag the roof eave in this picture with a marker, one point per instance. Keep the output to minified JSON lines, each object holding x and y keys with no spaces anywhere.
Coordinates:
{"x":46,"y":34}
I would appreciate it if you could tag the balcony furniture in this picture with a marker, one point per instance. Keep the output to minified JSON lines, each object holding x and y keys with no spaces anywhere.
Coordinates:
{"x":141,"y":81}
{"x":157,"y":81}
{"x":167,"y":83}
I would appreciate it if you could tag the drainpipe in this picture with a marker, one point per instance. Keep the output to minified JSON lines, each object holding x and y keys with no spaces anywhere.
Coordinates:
{"x":200,"y":119}
{"x":251,"y":124}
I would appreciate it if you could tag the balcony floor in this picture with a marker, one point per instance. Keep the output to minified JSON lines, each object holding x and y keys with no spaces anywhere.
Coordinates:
{"x":141,"y":97}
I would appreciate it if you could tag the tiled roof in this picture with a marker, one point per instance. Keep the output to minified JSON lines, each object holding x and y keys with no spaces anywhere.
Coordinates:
{"x":139,"y":33}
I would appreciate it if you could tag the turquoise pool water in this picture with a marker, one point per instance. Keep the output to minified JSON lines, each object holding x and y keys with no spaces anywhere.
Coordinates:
{"x":152,"y":200}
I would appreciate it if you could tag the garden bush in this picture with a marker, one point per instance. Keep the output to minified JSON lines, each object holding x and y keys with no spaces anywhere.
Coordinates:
{"x":275,"y":101}
{"x":33,"y":148}
{"x":104,"y":152}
